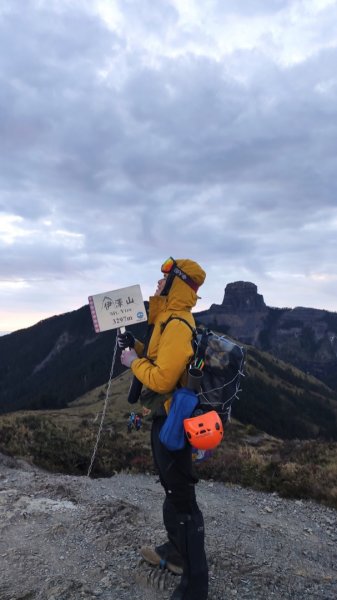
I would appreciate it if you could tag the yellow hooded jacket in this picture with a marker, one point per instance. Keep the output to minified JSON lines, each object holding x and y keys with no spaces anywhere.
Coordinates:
{"x":170,"y":350}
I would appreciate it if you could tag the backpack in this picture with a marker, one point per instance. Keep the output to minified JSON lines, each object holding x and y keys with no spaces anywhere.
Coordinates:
{"x":222,"y":362}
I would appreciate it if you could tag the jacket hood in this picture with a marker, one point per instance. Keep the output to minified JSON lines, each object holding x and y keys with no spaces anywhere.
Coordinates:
{"x":181,"y":296}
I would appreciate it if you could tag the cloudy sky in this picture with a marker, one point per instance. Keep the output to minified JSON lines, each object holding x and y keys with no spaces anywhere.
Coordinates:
{"x":132,"y":130}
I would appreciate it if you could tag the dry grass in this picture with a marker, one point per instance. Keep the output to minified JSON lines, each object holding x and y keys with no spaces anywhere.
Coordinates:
{"x":63,"y":440}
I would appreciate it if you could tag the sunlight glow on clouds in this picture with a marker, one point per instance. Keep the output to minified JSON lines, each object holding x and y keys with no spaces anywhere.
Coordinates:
{"x":12,"y":285}
{"x":171,"y":128}
{"x":69,"y":239}
{"x":325,"y":277}
{"x":10,"y":229}
{"x":14,"y":320}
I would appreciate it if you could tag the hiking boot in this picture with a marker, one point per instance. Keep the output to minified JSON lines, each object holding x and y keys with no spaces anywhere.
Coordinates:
{"x":163,"y":558}
{"x":168,"y":552}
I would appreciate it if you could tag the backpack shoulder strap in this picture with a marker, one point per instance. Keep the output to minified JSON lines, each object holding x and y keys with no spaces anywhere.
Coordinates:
{"x":194,"y":342}
{"x":202,"y":344}
{"x":172,"y":318}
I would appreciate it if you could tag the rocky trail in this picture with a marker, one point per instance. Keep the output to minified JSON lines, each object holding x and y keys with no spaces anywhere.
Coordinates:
{"x":69,"y":538}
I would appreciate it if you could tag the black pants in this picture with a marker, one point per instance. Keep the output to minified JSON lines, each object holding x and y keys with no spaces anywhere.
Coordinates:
{"x":182,"y":517}
{"x":175,"y":471}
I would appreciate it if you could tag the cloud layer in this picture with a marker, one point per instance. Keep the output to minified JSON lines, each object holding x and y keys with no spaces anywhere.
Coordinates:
{"x":132,"y":131}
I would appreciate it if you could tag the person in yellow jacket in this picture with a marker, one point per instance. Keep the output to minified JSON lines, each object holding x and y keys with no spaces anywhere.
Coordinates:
{"x":161,"y":369}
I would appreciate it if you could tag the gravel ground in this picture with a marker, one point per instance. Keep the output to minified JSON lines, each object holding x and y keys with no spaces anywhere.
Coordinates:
{"x":77,"y":538}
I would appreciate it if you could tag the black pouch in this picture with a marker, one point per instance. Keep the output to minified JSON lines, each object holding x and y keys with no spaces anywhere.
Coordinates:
{"x":134,"y":390}
{"x":154,"y":402}
{"x":136,"y":385}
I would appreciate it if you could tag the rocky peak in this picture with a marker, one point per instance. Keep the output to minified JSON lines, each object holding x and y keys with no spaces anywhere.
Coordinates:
{"x":242,"y":296}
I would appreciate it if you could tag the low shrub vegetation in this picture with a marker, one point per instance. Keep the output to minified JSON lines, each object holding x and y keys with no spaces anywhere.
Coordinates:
{"x":64,"y":440}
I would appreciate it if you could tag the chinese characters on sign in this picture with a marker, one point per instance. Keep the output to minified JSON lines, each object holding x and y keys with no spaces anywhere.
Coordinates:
{"x":118,"y":303}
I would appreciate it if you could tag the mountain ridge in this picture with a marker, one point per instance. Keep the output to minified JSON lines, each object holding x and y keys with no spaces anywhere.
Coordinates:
{"x":52,"y":363}
{"x":304,"y":337}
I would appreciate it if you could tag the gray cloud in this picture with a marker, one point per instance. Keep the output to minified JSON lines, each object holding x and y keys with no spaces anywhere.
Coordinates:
{"x":250,"y":7}
{"x":115,"y":152}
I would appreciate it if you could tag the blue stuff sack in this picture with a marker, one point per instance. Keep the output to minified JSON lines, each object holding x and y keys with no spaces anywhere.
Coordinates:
{"x":172,"y":434}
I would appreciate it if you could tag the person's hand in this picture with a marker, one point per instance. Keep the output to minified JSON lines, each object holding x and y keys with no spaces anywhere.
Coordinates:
{"x":125,"y":340}
{"x":127,"y":357}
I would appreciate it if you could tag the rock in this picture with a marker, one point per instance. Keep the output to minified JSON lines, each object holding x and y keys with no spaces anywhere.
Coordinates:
{"x":242,"y":296}
{"x":57,"y":554}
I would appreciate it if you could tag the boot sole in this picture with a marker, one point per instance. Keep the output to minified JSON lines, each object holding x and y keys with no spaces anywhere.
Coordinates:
{"x":151,"y":557}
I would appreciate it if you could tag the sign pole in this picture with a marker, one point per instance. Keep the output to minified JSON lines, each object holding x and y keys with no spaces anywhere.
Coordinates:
{"x":122,"y":330}
{"x":111,"y":310}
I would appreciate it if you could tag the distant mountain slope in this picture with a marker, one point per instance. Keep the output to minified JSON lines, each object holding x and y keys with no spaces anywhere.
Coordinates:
{"x":304,"y":337}
{"x":50,"y":364}
{"x":56,"y":361}
{"x":284,"y":401}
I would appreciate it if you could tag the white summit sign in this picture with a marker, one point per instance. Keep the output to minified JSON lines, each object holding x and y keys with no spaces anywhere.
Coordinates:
{"x":118,"y":308}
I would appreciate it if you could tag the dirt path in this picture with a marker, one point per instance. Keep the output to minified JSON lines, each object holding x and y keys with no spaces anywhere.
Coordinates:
{"x":68,"y":538}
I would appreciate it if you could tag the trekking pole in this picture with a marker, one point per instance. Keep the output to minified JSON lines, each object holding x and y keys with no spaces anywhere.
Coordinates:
{"x":105,"y":319}
{"x":104,"y":409}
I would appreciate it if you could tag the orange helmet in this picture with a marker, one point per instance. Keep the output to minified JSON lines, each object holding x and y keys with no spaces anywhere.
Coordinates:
{"x":205,"y":431}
